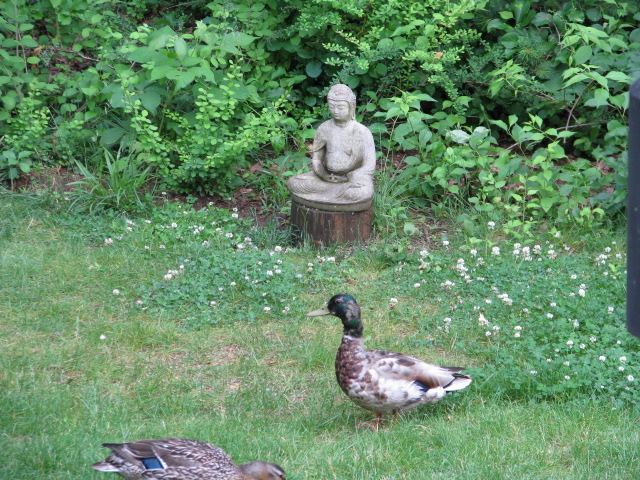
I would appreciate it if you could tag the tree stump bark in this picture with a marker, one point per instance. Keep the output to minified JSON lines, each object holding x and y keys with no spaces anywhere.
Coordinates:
{"x":322,"y":227}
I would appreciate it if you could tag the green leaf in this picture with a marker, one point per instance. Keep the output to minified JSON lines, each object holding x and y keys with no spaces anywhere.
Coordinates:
{"x":150,"y":100}
{"x":619,"y":77}
{"x":162,"y":71}
{"x":547,"y":203}
{"x":159,"y":38}
{"x":180,"y":47}
{"x":314,"y":69}
{"x":458,"y":136}
{"x":506,"y":15}
{"x":28,"y":41}
{"x":600,"y":98}
{"x":582,"y":55}
{"x":409,"y":228}
{"x":182,"y":78}
{"x":577,"y":78}
{"x":145,"y":55}
{"x":112,"y":136}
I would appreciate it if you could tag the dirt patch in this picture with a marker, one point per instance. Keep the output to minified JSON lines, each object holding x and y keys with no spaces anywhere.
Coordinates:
{"x":58,"y":179}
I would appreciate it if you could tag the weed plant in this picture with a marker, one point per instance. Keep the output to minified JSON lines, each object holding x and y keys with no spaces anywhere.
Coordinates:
{"x":106,"y":338}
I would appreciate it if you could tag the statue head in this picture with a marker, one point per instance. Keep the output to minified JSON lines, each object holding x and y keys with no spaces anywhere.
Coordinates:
{"x":342,"y":93}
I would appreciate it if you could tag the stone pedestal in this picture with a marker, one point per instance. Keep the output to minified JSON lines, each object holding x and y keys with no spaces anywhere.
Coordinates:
{"x":323,"y":227}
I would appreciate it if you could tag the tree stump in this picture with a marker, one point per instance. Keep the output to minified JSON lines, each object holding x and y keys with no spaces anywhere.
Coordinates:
{"x":322,"y":227}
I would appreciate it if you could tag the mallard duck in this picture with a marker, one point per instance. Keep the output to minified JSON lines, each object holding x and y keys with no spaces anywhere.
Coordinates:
{"x":380,"y":381}
{"x":181,"y":459}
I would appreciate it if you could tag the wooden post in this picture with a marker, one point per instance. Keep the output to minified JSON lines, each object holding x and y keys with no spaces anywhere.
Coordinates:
{"x":322,"y":227}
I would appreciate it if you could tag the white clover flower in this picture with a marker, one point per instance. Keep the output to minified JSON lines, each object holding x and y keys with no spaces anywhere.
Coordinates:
{"x":623,"y":359}
{"x":533,"y":372}
{"x":269,"y":273}
{"x":593,"y":339}
{"x":621,"y":369}
{"x":174,"y":225}
{"x":482,"y":321}
{"x":108,"y":241}
{"x":277,"y":248}
{"x":566,"y":364}
{"x":473,"y":252}
{"x":581,"y":292}
{"x":233,"y":284}
{"x":610,"y":310}
{"x":424,"y":253}
{"x":549,"y":360}
{"x":168,"y":276}
{"x":298,"y":275}
{"x":445,"y":243}
{"x":553,"y":304}
{"x":162,"y":246}
{"x":549,"y":316}
{"x":526,"y":310}
{"x":393,"y":300}
{"x":630,"y":378}
{"x":556,"y":235}
{"x":116,"y":291}
{"x":495,"y":251}
{"x":228,"y":235}
{"x":491,"y":225}
{"x":416,"y":285}
{"x":234,"y":215}
{"x":517,"y":327}
{"x":619,"y":342}
{"x":212,"y":303}
{"x":488,"y":301}
{"x":267,"y":309}
{"x":103,"y":337}
{"x":567,"y":377}
{"x":487,"y":333}
{"x":583,"y":346}
{"x":570,"y":342}
{"x":602,"y":358}
{"x":496,"y":328}
{"x":516,"y":335}
{"x":147,"y":247}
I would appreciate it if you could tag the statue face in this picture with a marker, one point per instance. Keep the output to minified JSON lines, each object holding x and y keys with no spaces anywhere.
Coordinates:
{"x":340,"y":110}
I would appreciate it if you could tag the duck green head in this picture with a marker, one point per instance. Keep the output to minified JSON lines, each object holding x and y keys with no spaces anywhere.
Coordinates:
{"x":346,"y":309}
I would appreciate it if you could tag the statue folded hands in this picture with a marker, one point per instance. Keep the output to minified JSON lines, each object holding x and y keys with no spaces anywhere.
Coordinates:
{"x":344,"y":160}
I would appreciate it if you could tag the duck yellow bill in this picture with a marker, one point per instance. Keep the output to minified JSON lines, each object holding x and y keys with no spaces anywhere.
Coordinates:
{"x":319,"y":312}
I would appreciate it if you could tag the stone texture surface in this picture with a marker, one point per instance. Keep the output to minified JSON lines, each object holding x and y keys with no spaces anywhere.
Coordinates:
{"x":343,"y":163}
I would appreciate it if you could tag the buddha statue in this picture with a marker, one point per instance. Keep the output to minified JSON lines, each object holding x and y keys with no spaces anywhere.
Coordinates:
{"x":344,"y":159}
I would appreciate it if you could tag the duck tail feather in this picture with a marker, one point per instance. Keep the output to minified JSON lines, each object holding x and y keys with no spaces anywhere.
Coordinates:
{"x":105,"y":467}
{"x":458,"y":383}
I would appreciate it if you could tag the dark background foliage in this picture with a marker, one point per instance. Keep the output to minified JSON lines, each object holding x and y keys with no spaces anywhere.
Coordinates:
{"x":511,"y":108}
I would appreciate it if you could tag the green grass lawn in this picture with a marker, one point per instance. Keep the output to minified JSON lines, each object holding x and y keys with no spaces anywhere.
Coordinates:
{"x":101,"y":342}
